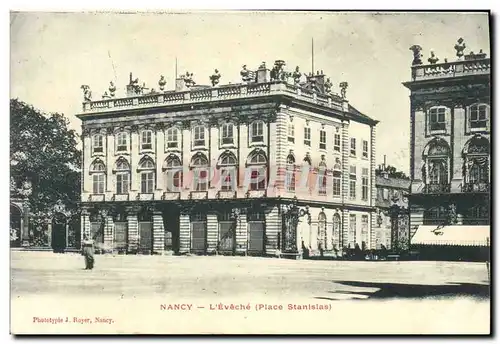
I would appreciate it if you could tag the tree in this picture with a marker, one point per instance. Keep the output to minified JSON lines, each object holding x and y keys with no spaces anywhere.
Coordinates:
{"x":44,"y":160}
{"x":391,"y":171}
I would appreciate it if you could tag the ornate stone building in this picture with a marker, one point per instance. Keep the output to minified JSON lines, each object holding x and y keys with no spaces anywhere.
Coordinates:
{"x":450,"y":142}
{"x":275,"y":164}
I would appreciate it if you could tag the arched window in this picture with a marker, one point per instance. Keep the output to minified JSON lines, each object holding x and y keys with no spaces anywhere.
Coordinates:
{"x":97,"y":143}
{"x":122,"y":169}
{"x":172,"y":138}
{"x":228,"y":171}
{"x":437,"y":161}
{"x":199,"y":165}
{"x":257,"y":132}
{"x":258,"y":163}
{"x":146,"y":139}
{"x":98,"y":171}
{"x":476,"y":155}
{"x":322,"y":231}
{"x":337,"y":232}
{"x":173,"y":168}
{"x":147,"y":172}
{"x":227,"y":134}
{"x":122,"y":141}
{"x":290,"y":173}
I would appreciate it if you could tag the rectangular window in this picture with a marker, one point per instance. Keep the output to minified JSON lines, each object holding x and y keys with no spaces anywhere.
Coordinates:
{"x":478,"y":117}
{"x":201,"y":179}
{"x":199,"y":136}
{"x":437,"y":119}
{"x":352,"y":183}
{"x":307,"y":136}
{"x":227,"y":134}
{"x":258,"y":179}
{"x":364,"y":190}
{"x":322,"y":181}
{"x":121,"y":142}
{"x":146,"y":140}
{"x":97,"y":144}
{"x":122,"y":183}
{"x":365,"y":149}
{"x":353,"y":146}
{"x":336,"y":185}
{"x":172,"y":138}
{"x":147,"y":182}
{"x":352,"y":230}
{"x":228,"y":179}
{"x":257,"y":132}
{"x":336,"y":142}
{"x":322,"y":139}
{"x":98,"y":183}
{"x":291,"y":133}
{"x":290,"y":178}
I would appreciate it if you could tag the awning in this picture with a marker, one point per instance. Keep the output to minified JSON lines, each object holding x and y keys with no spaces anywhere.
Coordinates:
{"x":452,"y":235}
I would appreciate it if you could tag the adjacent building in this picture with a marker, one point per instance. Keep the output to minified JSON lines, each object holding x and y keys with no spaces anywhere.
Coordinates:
{"x":450,"y":150}
{"x":275,"y":164}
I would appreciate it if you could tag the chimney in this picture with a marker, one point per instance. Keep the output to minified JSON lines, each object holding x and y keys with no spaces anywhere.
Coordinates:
{"x":317,"y":81}
{"x":263,"y":74}
{"x":180,"y":84}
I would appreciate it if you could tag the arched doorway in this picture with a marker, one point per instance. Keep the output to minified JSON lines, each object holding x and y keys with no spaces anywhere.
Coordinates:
{"x":15,"y":226}
{"x":59,"y":232}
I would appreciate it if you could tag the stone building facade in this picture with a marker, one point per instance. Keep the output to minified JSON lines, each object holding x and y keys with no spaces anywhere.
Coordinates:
{"x":216,"y":169}
{"x":450,"y":139}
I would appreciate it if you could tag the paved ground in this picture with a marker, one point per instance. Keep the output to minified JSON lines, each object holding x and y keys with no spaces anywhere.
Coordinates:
{"x":43,"y":280}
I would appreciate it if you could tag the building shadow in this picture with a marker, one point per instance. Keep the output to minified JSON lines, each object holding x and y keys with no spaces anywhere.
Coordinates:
{"x":412,"y":291}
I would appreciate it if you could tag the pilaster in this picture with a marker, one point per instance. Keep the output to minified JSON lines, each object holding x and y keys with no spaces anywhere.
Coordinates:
{"x":272,"y":229}
{"x":373,"y":230}
{"x":241,"y":234}
{"x":345,"y":161}
{"x":133,"y":232}
{"x":345,"y":228}
{"x":184,"y":233}
{"x":212,"y":232}
{"x":109,"y":227}
{"x":85,"y":225}
{"x":158,"y":233}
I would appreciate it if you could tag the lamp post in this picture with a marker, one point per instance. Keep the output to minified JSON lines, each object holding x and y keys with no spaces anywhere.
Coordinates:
{"x":235,"y":215}
{"x":394,"y":211}
{"x":291,"y":215}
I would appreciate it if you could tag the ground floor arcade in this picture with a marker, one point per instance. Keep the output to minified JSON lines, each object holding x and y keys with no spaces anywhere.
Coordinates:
{"x":248,"y":227}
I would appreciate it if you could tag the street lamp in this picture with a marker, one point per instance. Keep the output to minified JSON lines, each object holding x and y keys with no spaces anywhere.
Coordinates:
{"x":394,"y":211}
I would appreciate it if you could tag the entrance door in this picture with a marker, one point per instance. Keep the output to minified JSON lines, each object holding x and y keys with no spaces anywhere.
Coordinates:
{"x":97,"y":234}
{"x":120,"y":237}
{"x":227,"y":235}
{"x":199,"y":233}
{"x":256,"y":231}
{"x":171,"y":226}
{"x":146,"y":237}
{"x":59,"y":233}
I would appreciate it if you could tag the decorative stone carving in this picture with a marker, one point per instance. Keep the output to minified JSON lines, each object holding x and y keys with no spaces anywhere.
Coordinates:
{"x":134,"y":128}
{"x":296,"y":76}
{"x":328,"y":86}
{"x":214,"y":78}
{"x":188,"y":79}
{"x":105,"y":95}
{"x":262,"y":65}
{"x":417,"y":56}
{"x":110,"y":130}
{"x":112,"y":89}
{"x":460,"y":47}
{"x":162,"y":82}
{"x":87,"y":93}
{"x":343,"y":89}
{"x":135,"y":85}
{"x":433,"y":59}
{"x":86,"y":132}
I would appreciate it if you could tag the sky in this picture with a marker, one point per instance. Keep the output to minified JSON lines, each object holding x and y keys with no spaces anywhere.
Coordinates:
{"x":53,"y":54}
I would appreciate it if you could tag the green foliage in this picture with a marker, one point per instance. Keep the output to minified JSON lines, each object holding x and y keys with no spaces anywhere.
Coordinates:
{"x":44,"y":160}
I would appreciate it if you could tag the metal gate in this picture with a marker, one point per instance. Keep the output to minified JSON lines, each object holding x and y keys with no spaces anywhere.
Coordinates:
{"x":199,"y":233}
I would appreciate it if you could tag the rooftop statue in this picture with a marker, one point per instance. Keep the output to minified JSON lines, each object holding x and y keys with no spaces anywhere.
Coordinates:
{"x":417,"y":56}
{"x":214,"y":78}
{"x":343,"y":89}
{"x":433,"y":59}
{"x":262,"y":65}
{"x":106,"y":95}
{"x":296,"y":76}
{"x":87,"y":93}
{"x":460,"y":47}
{"x":278,"y":71}
{"x":246,"y":75}
{"x":112,"y":89}
{"x":162,"y":82}
{"x":328,"y":86}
